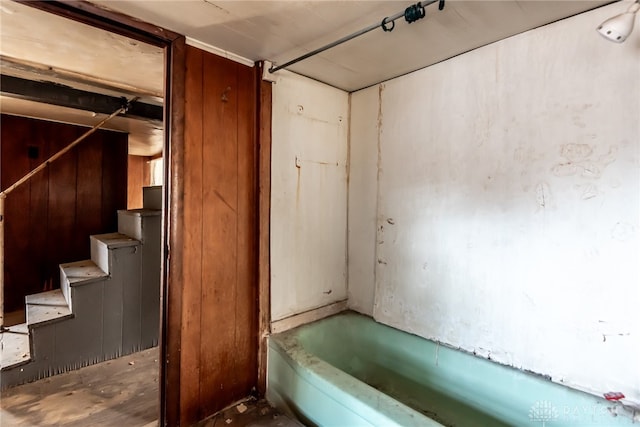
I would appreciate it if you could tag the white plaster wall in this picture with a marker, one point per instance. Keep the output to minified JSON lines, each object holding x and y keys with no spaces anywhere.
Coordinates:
{"x":308,"y":195}
{"x":363,"y":190}
{"x":508,"y":203}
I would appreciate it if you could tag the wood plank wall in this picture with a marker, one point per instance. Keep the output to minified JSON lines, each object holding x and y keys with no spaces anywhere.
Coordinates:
{"x":218,"y":261}
{"x":139,"y":176}
{"x":50,"y":218}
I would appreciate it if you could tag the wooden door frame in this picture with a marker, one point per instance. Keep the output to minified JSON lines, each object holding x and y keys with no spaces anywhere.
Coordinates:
{"x":263,"y":123}
{"x":174,"y":46}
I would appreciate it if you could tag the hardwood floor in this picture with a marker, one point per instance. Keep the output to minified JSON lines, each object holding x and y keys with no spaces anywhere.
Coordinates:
{"x":121,"y":392}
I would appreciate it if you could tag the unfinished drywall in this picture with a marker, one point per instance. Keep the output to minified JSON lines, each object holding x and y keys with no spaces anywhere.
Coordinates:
{"x":508,"y":202}
{"x":308,"y":195}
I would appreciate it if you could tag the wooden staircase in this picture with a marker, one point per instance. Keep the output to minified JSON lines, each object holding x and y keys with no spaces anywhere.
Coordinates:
{"x":107,"y":307}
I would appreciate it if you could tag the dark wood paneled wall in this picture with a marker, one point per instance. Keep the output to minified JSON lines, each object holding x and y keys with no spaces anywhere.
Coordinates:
{"x":139,"y":176}
{"x":219,"y":231}
{"x":49,"y":219}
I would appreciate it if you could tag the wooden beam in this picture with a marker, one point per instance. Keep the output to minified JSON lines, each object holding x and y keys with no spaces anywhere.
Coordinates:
{"x":34,"y":71}
{"x":63,"y":96}
{"x":99,"y":17}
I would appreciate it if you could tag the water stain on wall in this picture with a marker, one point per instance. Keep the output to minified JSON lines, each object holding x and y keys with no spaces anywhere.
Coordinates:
{"x":579,"y":160}
{"x":576,"y":152}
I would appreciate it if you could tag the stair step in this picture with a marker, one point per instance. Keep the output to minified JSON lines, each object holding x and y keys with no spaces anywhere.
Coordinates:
{"x":115,"y":240}
{"x":47,"y":307}
{"x":14,"y":347}
{"x":101,"y":243}
{"x":82,"y":272}
{"x":130,"y":222}
{"x":79,"y":273}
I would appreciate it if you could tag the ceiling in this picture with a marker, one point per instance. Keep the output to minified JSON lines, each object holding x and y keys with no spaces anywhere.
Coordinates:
{"x":41,"y":46}
{"x":35,"y":45}
{"x":281,"y":30}
{"x":145,"y":139}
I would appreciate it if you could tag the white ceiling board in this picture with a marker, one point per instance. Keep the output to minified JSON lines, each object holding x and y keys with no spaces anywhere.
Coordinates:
{"x":145,"y":137}
{"x":281,"y":30}
{"x":461,"y":27}
{"x":36,"y":36}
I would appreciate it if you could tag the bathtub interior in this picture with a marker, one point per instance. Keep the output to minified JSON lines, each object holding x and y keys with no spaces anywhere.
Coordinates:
{"x":447,"y":385}
{"x":373,"y":354}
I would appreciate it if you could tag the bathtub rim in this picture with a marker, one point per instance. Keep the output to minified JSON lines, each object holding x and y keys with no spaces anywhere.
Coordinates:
{"x":367,"y":402}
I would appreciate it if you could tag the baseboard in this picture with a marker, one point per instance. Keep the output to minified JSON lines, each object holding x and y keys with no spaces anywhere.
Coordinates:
{"x":308,"y":316}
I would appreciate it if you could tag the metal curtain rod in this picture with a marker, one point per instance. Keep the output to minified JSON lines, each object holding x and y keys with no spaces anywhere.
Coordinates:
{"x":388,"y":20}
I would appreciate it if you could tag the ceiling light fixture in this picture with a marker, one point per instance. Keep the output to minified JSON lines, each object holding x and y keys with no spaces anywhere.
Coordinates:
{"x":618,"y":28}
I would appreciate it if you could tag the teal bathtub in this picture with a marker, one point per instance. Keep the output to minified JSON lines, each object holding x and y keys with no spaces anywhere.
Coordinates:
{"x":347,"y":370}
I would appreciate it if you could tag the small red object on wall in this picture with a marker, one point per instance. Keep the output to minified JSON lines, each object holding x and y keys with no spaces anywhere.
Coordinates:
{"x":613,"y":395}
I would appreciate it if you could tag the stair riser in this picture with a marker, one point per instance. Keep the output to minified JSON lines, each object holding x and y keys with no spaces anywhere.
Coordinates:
{"x":100,"y":254}
{"x":150,"y":285}
{"x":146,"y":226}
{"x":65,"y":287}
{"x":85,"y":330}
{"x":152,"y":197}
{"x":122,"y":317}
{"x":131,"y":225}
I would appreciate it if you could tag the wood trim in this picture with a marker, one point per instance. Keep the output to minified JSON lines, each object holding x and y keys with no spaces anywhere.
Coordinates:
{"x":308,"y":316}
{"x":219,"y":52}
{"x":263,"y":121}
{"x":172,"y":237}
{"x":100,"y":17}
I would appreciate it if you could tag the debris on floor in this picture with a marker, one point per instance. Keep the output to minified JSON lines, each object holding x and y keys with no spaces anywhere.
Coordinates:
{"x":250,"y":413}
